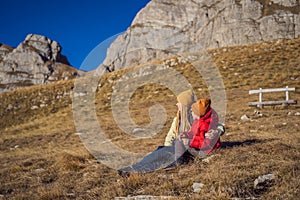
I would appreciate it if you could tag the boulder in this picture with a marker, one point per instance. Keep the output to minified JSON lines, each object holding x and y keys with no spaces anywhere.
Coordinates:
{"x":245,"y":118}
{"x":197,"y":187}
{"x":264,"y":181}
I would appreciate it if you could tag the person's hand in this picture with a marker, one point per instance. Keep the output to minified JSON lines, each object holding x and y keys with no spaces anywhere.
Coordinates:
{"x":183,"y":135}
{"x":211,"y":134}
{"x":221,"y":129}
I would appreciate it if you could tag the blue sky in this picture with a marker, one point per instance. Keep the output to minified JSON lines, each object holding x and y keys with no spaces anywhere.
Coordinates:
{"x":79,"y":26}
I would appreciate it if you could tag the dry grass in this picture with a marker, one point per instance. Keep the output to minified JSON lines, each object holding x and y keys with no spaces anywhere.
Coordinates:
{"x":270,"y":8}
{"x":42,"y":158}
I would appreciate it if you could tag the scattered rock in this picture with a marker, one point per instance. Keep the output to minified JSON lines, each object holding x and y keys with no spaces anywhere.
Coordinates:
{"x":143,"y":197}
{"x":297,"y":114}
{"x":9,"y":107}
{"x":34,"y":107}
{"x":230,"y":133}
{"x":43,"y":105}
{"x":209,"y":158}
{"x":258,"y":113}
{"x":245,"y":118}
{"x":14,"y":148}
{"x":264,"y":181}
{"x":40,"y":170}
{"x":70,"y":194}
{"x":197,"y":187}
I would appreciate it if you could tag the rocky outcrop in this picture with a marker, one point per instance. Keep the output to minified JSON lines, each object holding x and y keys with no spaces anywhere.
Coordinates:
{"x":4,"y":50}
{"x":37,"y":60}
{"x":166,"y":27}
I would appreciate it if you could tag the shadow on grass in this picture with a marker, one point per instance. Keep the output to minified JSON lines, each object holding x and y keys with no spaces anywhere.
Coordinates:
{"x":229,"y":145}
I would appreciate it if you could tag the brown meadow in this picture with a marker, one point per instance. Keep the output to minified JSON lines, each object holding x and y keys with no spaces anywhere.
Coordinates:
{"x":42,"y":157}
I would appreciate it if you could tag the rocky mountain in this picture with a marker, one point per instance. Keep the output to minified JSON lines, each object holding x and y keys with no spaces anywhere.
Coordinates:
{"x":36,"y":60}
{"x":168,"y":27}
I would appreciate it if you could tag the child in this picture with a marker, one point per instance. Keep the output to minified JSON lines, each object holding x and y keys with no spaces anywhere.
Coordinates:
{"x":203,"y":137}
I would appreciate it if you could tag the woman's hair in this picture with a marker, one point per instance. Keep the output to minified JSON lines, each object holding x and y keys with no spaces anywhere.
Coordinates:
{"x":184,"y":119}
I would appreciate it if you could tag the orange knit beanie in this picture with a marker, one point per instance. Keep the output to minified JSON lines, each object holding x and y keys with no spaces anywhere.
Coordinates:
{"x":201,"y":107}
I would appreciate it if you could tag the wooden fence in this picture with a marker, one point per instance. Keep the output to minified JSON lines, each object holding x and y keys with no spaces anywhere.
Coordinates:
{"x":260,"y":103}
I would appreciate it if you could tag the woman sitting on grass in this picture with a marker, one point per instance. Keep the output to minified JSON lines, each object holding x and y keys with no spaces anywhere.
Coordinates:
{"x":184,"y":119}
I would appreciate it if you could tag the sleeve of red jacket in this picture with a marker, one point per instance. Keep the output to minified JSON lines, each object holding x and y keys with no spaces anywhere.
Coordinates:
{"x":208,"y":143}
{"x":214,"y":121}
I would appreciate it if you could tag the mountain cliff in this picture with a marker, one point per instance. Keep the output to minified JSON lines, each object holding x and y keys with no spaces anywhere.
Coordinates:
{"x":167,"y":27}
{"x":36,"y":60}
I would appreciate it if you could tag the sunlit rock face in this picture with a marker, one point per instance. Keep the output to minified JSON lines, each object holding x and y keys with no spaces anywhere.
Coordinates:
{"x":167,"y":27}
{"x":36,"y":60}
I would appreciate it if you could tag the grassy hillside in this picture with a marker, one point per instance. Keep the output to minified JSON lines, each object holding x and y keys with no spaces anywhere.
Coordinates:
{"x":42,"y":157}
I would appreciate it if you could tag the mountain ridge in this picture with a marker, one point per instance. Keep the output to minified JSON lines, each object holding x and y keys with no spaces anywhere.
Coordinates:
{"x":36,"y":60}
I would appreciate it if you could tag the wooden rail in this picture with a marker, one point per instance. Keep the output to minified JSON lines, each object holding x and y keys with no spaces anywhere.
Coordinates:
{"x":260,"y":103}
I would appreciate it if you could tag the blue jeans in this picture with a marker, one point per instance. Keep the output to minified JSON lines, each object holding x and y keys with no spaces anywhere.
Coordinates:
{"x":162,"y":157}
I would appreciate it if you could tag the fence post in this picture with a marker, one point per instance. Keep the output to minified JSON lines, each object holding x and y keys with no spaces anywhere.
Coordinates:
{"x":287,"y":93}
{"x":260,"y":98}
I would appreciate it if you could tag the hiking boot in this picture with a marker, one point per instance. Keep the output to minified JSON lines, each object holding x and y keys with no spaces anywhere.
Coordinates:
{"x":125,"y":172}
{"x":175,"y":164}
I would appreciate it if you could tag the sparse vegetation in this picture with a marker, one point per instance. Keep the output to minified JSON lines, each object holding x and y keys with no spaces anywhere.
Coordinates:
{"x":270,"y":8}
{"x":137,"y":25}
{"x":42,"y":158}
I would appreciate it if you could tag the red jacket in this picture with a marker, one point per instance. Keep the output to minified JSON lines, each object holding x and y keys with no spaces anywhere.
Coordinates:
{"x":200,"y":128}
